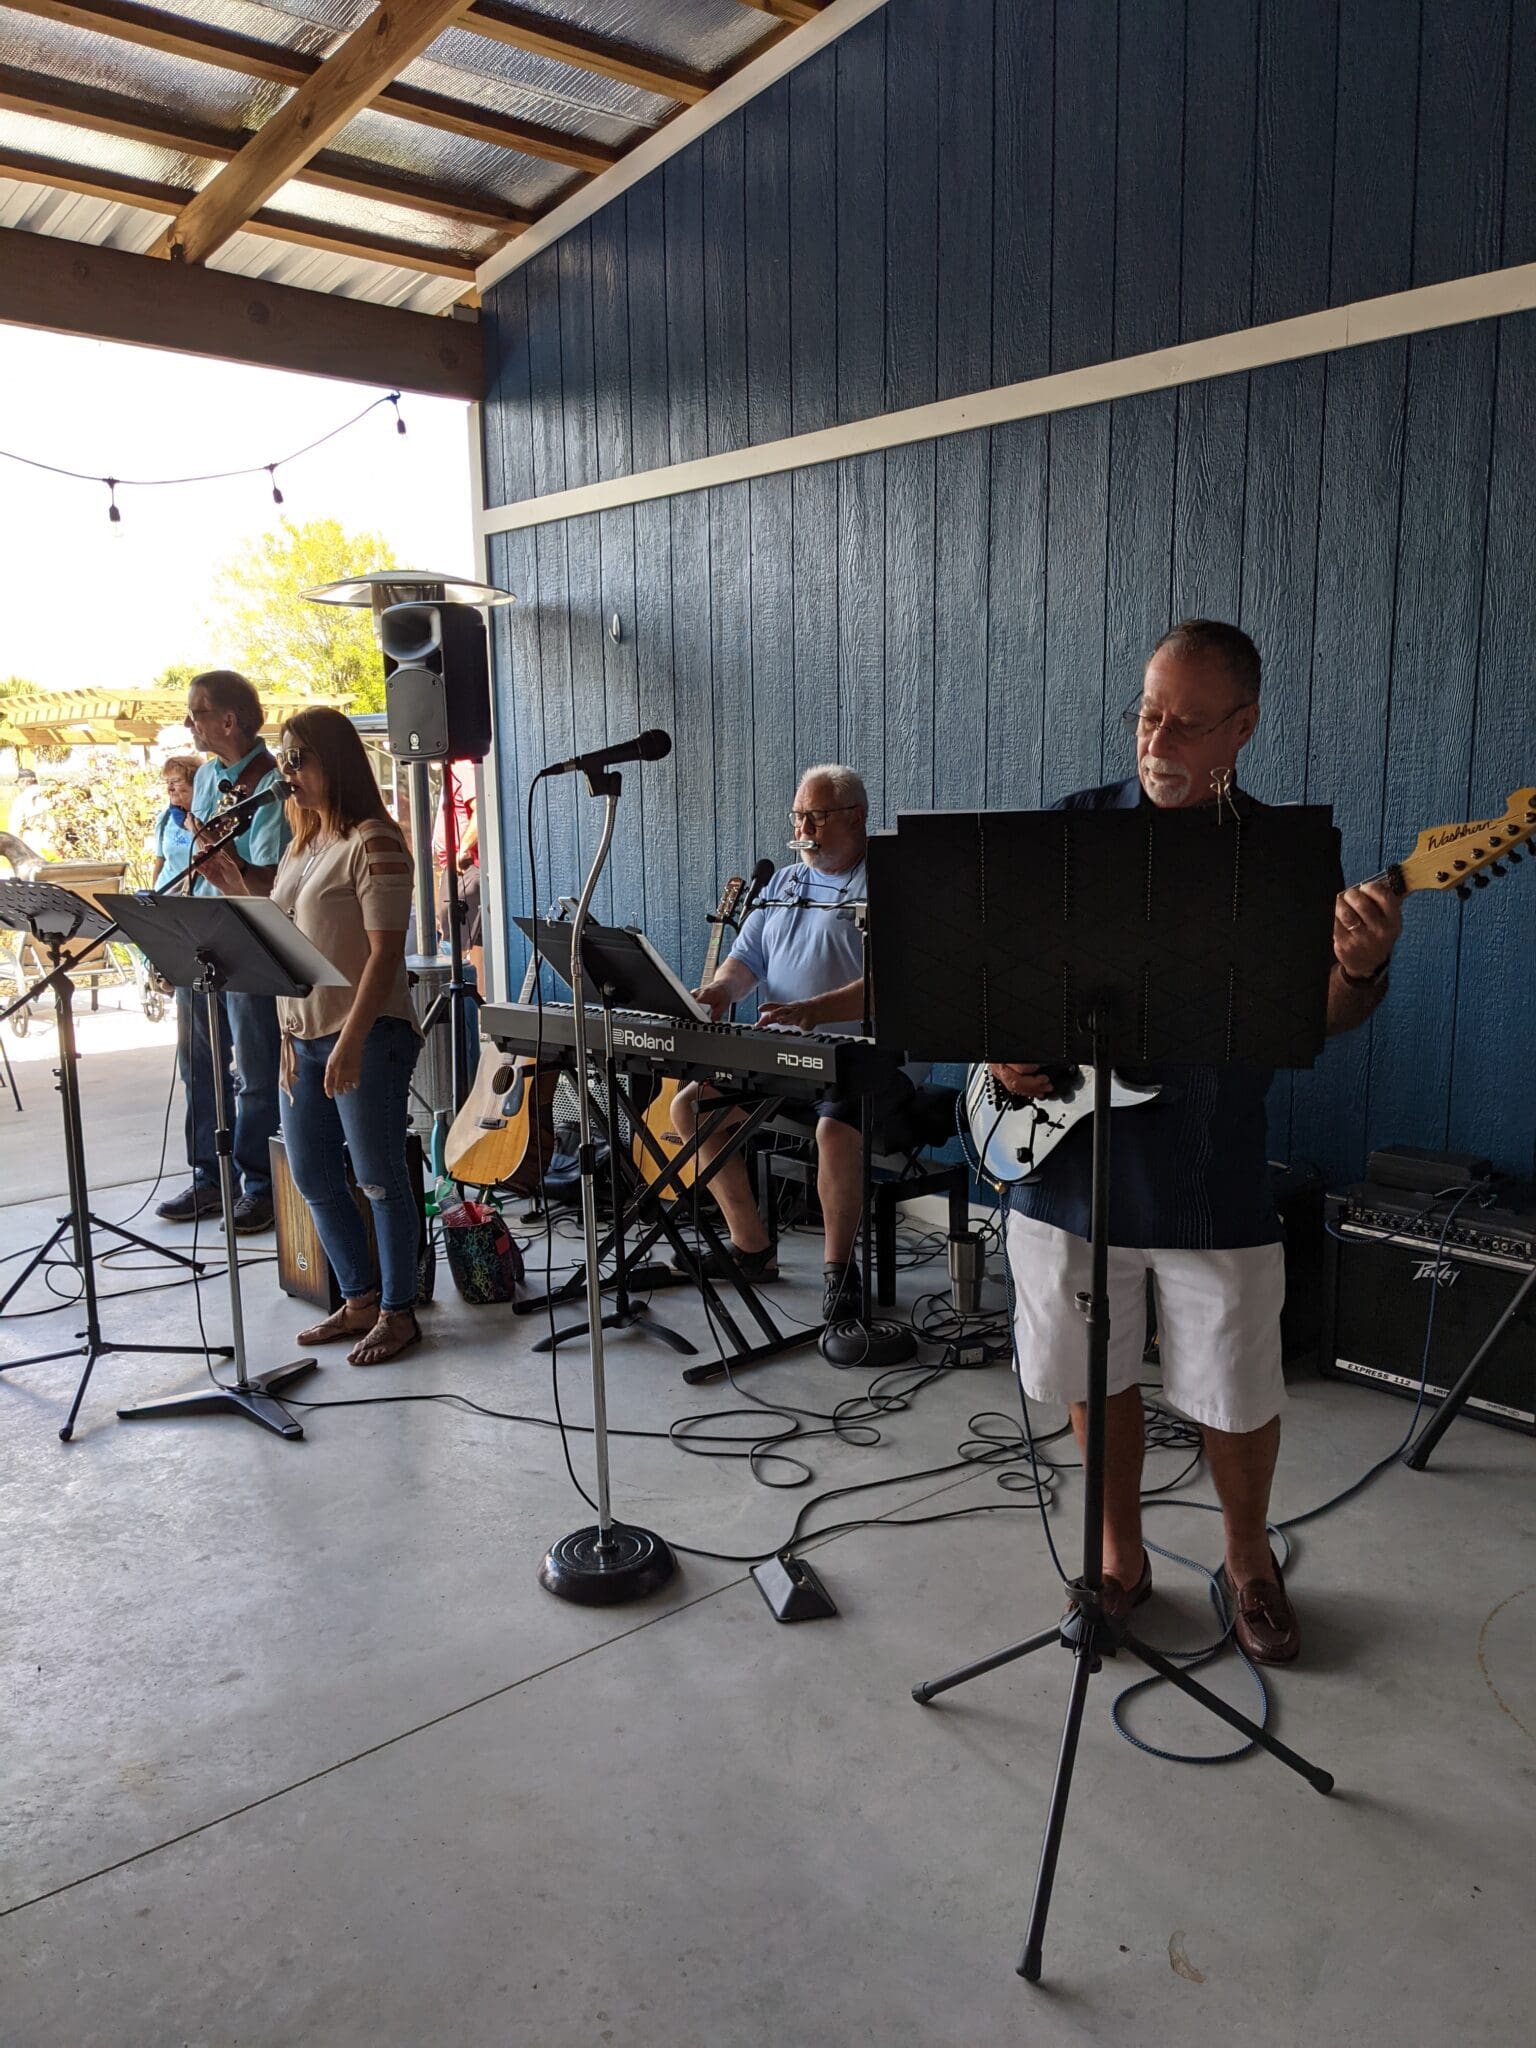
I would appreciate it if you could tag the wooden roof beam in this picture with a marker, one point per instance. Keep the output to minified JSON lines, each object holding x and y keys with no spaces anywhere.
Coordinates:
{"x":155,"y":29}
{"x":564,"y":44}
{"x":797,"y":11}
{"x":107,"y":113}
{"x":121,"y":190}
{"x":346,"y":82}
{"x":110,"y":295}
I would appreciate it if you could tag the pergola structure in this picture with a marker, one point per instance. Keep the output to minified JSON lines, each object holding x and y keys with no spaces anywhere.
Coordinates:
{"x":86,"y":718}
{"x":313,"y":184}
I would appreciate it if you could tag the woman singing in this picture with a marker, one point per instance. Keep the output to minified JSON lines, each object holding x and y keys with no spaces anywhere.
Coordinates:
{"x":345,"y":880}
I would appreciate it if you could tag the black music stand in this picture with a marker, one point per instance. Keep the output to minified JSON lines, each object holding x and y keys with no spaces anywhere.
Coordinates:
{"x":212,"y":944}
{"x":620,"y":965}
{"x":54,"y":916}
{"x":1200,"y":936}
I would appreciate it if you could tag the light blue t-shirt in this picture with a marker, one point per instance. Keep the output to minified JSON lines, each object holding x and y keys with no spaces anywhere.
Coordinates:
{"x":173,"y":843}
{"x":266,"y":833}
{"x":793,"y":953}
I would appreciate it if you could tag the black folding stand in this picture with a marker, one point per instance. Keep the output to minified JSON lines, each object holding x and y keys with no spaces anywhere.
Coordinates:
{"x":619,"y":966}
{"x":55,"y":916}
{"x":618,"y":969}
{"x":207,"y":943}
{"x":1198,"y":936}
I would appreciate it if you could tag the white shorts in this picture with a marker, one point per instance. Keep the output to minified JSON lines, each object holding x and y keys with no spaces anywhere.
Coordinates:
{"x":1218,"y":1323}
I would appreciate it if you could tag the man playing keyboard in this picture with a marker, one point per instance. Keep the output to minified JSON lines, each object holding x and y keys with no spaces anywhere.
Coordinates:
{"x":801,"y":949}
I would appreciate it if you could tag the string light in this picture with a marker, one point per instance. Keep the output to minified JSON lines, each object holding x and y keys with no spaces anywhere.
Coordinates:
{"x":217,"y":476}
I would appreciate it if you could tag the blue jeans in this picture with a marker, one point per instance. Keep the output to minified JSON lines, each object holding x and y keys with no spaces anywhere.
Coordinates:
{"x":370,"y":1123}
{"x":199,"y":1073}
{"x":258,"y":1045}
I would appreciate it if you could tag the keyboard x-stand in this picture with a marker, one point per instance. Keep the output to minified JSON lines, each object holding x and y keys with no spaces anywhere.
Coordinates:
{"x":756,"y":1070}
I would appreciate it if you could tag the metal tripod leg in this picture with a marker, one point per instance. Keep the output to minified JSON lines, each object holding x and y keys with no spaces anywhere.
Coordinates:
{"x":1320,"y":1780}
{"x":924,"y":1693}
{"x":1084,"y":1663}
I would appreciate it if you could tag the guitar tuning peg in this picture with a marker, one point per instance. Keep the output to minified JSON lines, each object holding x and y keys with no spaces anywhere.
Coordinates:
{"x":1463,"y":892}
{"x":1496,"y":869}
{"x":1514,"y":854}
{"x":1479,"y":881}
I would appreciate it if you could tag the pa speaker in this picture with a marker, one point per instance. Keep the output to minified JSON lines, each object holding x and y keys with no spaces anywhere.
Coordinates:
{"x":437,"y":682}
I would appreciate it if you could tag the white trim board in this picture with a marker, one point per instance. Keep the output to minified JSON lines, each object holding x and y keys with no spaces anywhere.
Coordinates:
{"x":786,"y":55}
{"x":1483,"y":297}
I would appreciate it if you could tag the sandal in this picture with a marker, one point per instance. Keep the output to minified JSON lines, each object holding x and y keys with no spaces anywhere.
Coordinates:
{"x":387,"y":1339}
{"x":350,"y":1320}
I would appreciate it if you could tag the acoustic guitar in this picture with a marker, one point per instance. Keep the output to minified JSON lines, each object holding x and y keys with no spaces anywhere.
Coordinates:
{"x":1012,"y":1136}
{"x":658,"y":1113}
{"x":504,"y":1136}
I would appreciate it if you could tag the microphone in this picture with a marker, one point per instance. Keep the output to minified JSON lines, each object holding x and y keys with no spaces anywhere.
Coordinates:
{"x":654,"y":745}
{"x":762,"y":875}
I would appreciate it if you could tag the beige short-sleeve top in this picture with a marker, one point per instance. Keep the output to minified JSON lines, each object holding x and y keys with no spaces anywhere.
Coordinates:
{"x":337,"y":894}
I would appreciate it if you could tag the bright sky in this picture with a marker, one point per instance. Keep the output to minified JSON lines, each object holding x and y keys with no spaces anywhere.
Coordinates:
{"x":110,"y":606}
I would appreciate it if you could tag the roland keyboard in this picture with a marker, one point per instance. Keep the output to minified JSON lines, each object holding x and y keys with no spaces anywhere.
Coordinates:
{"x":808,"y":1064}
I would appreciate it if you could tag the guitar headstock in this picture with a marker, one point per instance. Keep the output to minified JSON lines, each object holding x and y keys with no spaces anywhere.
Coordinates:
{"x":1460,"y":856}
{"x":730,"y":896}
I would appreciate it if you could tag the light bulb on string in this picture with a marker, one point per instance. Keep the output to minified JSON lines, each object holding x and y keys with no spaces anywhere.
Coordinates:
{"x":394,"y":399}
{"x":277,"y":496}
{"x":113,"y":514}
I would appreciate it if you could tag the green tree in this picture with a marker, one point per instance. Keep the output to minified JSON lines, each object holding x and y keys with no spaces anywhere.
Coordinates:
{"x":109,"y":813}
{"x":268,"y":629}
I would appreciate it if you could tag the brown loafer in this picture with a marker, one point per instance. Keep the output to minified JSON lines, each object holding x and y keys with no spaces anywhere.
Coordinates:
{"x":1263,"y":1619}
{"x":1117,"y":1601}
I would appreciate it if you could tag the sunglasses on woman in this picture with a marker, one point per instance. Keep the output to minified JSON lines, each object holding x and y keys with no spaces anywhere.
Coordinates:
{"x":291,"y":760}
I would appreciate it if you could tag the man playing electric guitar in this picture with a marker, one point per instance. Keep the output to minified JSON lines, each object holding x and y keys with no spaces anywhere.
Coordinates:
{"x":1191,"y":1200}
{"x":803,"y":951}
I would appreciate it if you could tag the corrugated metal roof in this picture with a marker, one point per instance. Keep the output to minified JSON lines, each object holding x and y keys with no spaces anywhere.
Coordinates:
{"x":145,"y":127}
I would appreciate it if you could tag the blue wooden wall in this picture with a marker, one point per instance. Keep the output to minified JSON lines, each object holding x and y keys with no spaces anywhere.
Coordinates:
{"x":961,"y":193}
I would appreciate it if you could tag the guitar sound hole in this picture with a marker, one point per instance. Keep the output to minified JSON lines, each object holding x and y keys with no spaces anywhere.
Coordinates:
{"x":502,"y":1079}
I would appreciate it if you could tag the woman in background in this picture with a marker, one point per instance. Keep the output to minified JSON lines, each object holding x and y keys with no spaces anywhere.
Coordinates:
{"x":347,"y":1053}
{"x":173,"y":828}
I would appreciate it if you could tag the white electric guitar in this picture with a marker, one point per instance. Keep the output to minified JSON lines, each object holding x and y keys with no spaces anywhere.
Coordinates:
{"x":1013,"y":1136}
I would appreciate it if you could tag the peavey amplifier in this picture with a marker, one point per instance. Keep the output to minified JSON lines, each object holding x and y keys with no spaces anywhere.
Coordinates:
{"x":1383,"y":1259}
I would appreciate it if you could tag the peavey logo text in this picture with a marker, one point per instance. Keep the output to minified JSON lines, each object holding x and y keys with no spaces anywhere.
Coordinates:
{"x":644,"y":1041}
{"x":1443,"y":1274}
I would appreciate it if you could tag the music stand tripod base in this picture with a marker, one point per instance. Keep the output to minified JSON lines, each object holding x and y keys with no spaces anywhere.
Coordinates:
{"x":255,"y":1398}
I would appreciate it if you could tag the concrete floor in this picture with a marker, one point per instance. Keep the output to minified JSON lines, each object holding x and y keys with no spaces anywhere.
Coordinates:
{"x":297,"y":1751}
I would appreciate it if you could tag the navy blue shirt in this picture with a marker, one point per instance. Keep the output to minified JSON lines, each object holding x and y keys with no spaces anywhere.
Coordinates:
{"x":1188,"y":1170}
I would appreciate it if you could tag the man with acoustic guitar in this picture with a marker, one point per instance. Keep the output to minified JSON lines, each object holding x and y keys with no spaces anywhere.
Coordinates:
{"x":802,"y":949}
{"x":1191,"y":1201}
{"x":225,"y":716}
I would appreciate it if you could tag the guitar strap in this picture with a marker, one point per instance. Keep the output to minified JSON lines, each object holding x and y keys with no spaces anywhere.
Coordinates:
{"x":235,"y":787}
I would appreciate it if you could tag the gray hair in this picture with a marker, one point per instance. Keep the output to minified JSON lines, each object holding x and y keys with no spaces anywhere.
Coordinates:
{"x":847,"y":787}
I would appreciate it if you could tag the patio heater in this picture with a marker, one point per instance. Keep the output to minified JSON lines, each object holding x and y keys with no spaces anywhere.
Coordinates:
{"x":439,"y":982}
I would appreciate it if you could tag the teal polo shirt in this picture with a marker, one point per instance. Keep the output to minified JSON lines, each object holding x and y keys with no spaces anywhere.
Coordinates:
{"x":266,"y":832}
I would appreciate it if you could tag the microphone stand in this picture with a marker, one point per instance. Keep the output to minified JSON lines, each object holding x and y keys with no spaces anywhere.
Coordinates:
{"x":612,"y":1562}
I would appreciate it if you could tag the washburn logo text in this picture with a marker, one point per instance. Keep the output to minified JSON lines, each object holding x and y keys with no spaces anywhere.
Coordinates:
{"x":1445,"y":1273}
{"x":1451,"y":833}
